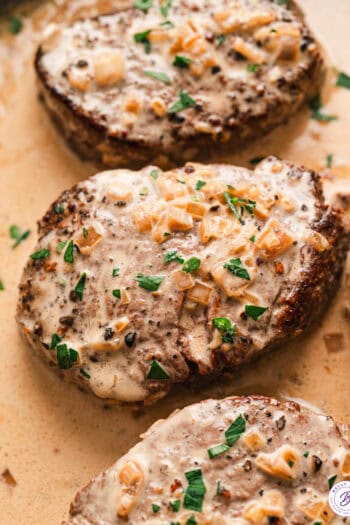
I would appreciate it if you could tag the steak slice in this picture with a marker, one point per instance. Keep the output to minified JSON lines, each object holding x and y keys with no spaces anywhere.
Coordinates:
{"x":239,"y":461}
{"x":136,"y":87}
{"x":145,"y":279}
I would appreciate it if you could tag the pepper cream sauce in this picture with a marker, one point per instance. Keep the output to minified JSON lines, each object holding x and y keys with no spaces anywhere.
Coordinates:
{"x":54,"y":438}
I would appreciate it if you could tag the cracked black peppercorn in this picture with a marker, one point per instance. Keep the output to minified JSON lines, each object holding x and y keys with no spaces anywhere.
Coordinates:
{"x":130,"y":339}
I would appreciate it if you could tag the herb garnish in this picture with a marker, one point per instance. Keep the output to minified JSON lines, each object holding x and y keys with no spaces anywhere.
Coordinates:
{"x":40,"y":254}
{"x":306,"y":454}
{"x":60,"y":246}
{"x":143,"y":38}
{"x":116,"y":271}
{"x":316,"y":106}
{"x":252,"y":238}
{"x":15,"y":25}
{"x":181,"y":61}
{"x":163,"y":77}
{"x":155,"y":508}
{"x":235,"y":430}
{"x":154,"y":174}
{"x":191,"y":265}
{"x":224,"y":325}
{"x":143,"y":5}
{"x":253,"y":68}
{"x":149,"y":282}
{"x":243,"y":204}
{"x":116,"y":293}
{"x":171,"y":256}
{"x":191,"y":520}
{"x":343,"y":80}
{"x":331,"y":481}
{"x":66,"y":357}
{"x":156,"y":371}
{"x":84,"y":373}
{"x":236,"y":267}
{"x":69,"y":253}
{"x":168,"y":24}
{"x":195,"y":492}
{"x":254,"y":311}
{"x":55,"y":339}
{"x":220,"y":39}
{"x":58,"y":209}
{"x":175,"y":505}
{"x":85,"y":233}
{"x":18,"y":235}
{"x":216,"y":451}
{"x":184,"y":101}
{"x":79,"y":289}
{"x":329,"y":160}
{"x":2,"y":286}
{"x":200,"y":184}
{"x":165,"y":7}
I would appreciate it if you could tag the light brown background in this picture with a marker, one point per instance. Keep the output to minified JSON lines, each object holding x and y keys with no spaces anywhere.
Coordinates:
{"x":53,"y":438}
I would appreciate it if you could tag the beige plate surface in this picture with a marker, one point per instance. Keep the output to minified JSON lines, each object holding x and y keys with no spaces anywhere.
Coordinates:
{"x":53,"y":438}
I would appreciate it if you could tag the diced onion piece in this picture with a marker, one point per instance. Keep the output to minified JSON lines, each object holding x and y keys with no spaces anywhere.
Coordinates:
{"x":158,"y":35}
{"x":133,"y":105}
{"x":228,"y":22}
{"x":242,"y":240}
{"x":314,"y":507}
{"x":88,"y":242}
{"x":215,"y":228}
{"x":131,"y":478}
{"x":109,"y":68}
{"x":273,"y":241}
{"x":121,"y":324}
{"x":160,"y":231}
{"x":124,"y":296}
{"x":79,"y":80}
{"x":231,"y":285}
{"x":142,"y":219}
{"x":345,"y":466}
{"x":196,"y":209}
{"x":249,"y":51}
{"x":171,"y":189}
{"x":254,"y":440}
{"x":179,"y":220}
{"x":182,"y":280}
{"x":158,"y":107}
{"x":281,"y":463}
{"x":200,"y":293}
{"x":258,"y":18}
{"x":119,"y":192}
{"x":318,"y":241}
{"x":271,"y":505}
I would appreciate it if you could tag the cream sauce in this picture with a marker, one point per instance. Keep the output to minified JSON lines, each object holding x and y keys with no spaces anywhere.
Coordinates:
{"x":53,"y":438}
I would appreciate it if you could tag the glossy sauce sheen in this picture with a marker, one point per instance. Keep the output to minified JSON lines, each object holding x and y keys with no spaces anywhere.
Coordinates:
{"x":54,"y":438}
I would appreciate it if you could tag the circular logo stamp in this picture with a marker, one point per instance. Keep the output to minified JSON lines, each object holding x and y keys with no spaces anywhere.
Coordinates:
{"x":339,"y":498}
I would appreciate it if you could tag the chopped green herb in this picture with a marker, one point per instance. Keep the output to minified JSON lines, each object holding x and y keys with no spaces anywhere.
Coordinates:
{"x":181,"y":61}
{"x":154,"y":174}
{"x":116,"y":293}
{"x":166,"y":234}
{"x":15,"y":25}
{"x":224,"y":325}
{"x":163,"y":77}
{"x":194,"y":198}
{"x":200,"y":184}
{"x":216,"y":451}
{"x":252,"y":238}
{"x":58,"y":209}
{"x":85,"y":233}
{"x":343,"y":80}
{"x":69,"y":253}
{"x":155,"y":508}
{"x":220,"y":39}
{"x":2,"y":286}
{"x":60,"y":246}
{"x":143,"y":38}
{"x":175,"y":505}
{"x":331,"y":481}
{"x":143,"y":5}
{"x":254,"y":311}
{"x":156,"y":371}
{"x":316,"y":106}
{"x":282,"y":2}
{"x":84,"y":373}
{"x":168,"y":24}
{"x":235,"y":430}
{"x":149,"y":282}
{"x":306,"y":454}
{"x":66,"y":357}
{"x":195,"y":492}
{"x":165,"y":7}
{"x":243,"y":205}
{"x":116,"y":271}
{"x":218,"y":488}
{"x":184,"y":101}
{"x":171,"y":256}
{"x":55,"y":339}
{"x":18,"y":235}
{"x":40,"y":254}
{"x":143,"y":192}
{"x":252,"y":68}
{"x":255,"y":160}
{"x":181,"y":181}
{"x":191,"y":265}
{"x":236,"y":267}
{"x":79,"y":289}
{"x":329,"y":160}
{"x":291,"y":463}
{"x":191,"y":520}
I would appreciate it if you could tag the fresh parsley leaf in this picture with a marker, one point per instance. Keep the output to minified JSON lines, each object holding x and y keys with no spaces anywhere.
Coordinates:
{"x":175,"y":505}
{"x":2,"y":286}
{"x":116,"y":271}
{"x":218,"y":488}
{"x":329,"y":160}
{"x":195,"y":491}
{"x":216,"y":451}
{"x":331,"y":481}
{"x":191,"y":520}
{"x":224,"y":325}
{"x":149,"y":282}
{"x":165,"y":7}
{"x":55,"y":340}
{"x":191,"y":265}
{"x":184,"y":101}
{"x":181,"y":61}
{"x":143,"y":5}
{"x":143,"y":38}
{"x":168,"y":24}
{"x":220,"y":39}
{"x":254,"y":311}
{"x":316,"y":106}
{"x":15,"y":25}
{"x":58,"y":209}
{"x":116,"y":293}
{"x":60,"y":246}
{"x":163,"y":77}
{"x":18,"y":235}
{"x":238,"y":206}
{"x":40,"y":254}
{"x":252,"y":238}
{"x":156,"y":371}
{"x":85,"y":233}
{"x":154,"y":174}
{"x":69,"y":253}
{"x":252,"y":68}
{"x":235,"y":430}
{"x":291,"y":463}
{"x":343,"y":80}
{"x":282,"y":2}
{"x":306,"y":454}
{"x":171,"y":256}
{"x":155,"y":508}
{"x":200,"y":184}
{"x":66,"y":357}
{"x":79,"y":289}
{"x":236,"y":267}
{"x":84,"y":373}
